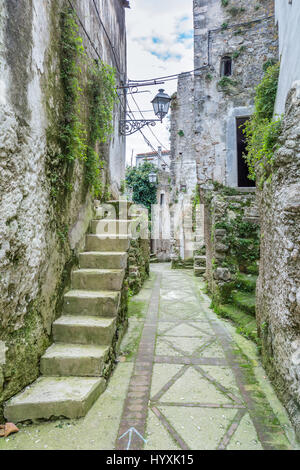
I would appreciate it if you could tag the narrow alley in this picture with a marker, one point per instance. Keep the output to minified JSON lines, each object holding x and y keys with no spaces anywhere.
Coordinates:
{"x":184,"y":380}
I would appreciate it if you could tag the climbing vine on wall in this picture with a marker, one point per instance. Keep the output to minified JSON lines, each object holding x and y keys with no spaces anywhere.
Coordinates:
{"x":79,"y":134}
{"x":262,"y":131}
{"x":102,"y":97}
{"x":72,"y":136}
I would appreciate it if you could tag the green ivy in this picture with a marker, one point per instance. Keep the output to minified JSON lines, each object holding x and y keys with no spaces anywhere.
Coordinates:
{"x":237,"y":53}
{"x":137,"y":178}
{"x":80,"y":132}
{"x":224,"y":3}
{"x":262,"y":131}
{"x":102,"y":98}
{"x":225,"y":83}
{"x":243,"y":239}
{"x":72,"y":136}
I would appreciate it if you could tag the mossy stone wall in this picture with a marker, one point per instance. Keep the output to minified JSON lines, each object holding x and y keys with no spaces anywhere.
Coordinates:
{"x":231,"y":237}
{"x":41,"y":230}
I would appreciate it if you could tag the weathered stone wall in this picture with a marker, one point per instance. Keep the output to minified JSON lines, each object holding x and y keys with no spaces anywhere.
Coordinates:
{"x":161,"y":218}
{"x":231,"y":238}
{"x":39,"y":240}
{"x":112,"y":16}
{"x":183,"y":168}
{"x":138,"y":264}
{"x":287,"y":14}
{"x":278,"y":290}
{"x":244,"y":31}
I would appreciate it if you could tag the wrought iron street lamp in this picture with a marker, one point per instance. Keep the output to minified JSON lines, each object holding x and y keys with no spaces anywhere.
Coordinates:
{"x":152,"y":177}
{"x":161,"y":106}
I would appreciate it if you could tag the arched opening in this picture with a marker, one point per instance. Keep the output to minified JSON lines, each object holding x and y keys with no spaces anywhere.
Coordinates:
{"x":226,"y":66}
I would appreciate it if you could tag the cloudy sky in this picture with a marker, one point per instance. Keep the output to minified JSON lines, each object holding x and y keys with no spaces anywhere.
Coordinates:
{"x":160,"y":42}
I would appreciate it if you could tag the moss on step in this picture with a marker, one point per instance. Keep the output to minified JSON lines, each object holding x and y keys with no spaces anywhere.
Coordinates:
{"x":183,"y":264}
{"x":244,"y":301}
{"x":246,"y":282}
{"x":137,"y":309}
{"x":246,"y":324}
{"x":252,"y":269}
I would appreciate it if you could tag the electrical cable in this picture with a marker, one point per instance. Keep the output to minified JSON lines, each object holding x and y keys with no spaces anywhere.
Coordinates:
{"x":108,"y":37}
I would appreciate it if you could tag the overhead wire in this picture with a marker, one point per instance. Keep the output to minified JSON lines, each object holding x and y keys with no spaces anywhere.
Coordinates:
{"x":128,"y":111}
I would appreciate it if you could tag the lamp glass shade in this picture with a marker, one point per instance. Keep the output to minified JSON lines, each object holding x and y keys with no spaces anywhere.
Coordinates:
{"x":161,"y":104}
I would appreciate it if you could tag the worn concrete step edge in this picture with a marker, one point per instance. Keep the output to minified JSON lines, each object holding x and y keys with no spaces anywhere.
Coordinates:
{"x":103,"y":243}
{"x":103,"y":260}
{"x":99,"y":303}
{"x":84,"y":330}
{"x":62,"y":359}
{"x":54,"y":397}
{"x":98,"y":279}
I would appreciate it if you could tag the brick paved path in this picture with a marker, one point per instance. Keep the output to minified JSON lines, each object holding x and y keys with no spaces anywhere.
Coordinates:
{"x":203,"y":393}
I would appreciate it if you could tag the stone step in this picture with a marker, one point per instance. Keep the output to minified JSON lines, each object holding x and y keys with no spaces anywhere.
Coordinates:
{"x":199,"y":271}
{"x":54,"y":397}
{"x":98,"y":279}
{"x":84,"y":330}
{"x":200,"y":261}
{"x":119,"y":243}
{"x":74,"y":360}
{"x":245,"y":301}
{"x":117,"y":209}
{"x":246,"y":282}
{"x":103,"y":260}
{"x":98,"y":303}
{"x":111,"y":226}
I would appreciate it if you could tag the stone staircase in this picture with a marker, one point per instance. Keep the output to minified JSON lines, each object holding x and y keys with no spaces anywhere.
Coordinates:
{"x":72,"y":368}
{"x":199,"y":265}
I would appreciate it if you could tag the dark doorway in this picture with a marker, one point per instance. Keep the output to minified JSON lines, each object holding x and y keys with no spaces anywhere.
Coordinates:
{"x":242,"y":167}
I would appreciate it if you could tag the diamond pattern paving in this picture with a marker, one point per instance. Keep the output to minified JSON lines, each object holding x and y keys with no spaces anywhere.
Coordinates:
{"x":185,"y":384}
{"x":199,"y":396}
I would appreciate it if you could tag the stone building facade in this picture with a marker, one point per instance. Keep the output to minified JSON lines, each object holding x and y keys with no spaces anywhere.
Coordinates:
{"x":161,"y":158}
{"x":232,"y":42}
{"x":161,"y":219}
{"x":39,"y":239}
{"x":183,"y":167}
{"x":278,"y":289}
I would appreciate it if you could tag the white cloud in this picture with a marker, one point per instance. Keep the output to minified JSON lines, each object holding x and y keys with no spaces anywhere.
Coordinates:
{"x":160,"y":42}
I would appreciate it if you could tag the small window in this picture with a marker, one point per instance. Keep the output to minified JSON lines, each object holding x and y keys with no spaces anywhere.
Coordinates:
{"x":162,"y":199}
{"x":226,"y":66}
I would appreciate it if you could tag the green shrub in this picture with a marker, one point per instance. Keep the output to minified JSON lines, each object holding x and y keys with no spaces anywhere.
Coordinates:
{"x":225,"y":83}
{"x":137,"y":178}
{"x":262,"y":131}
